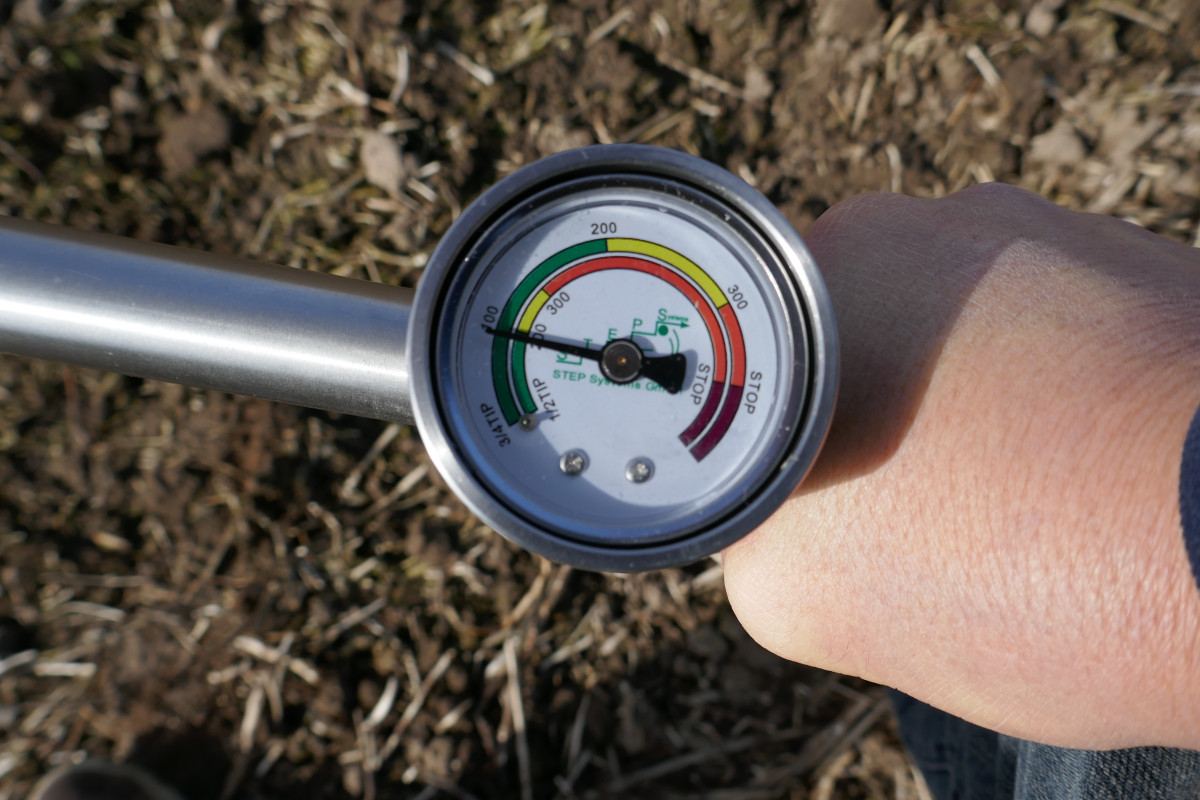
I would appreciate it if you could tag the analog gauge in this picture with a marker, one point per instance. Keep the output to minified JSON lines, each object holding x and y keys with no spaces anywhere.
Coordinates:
{"x":623,"y":358}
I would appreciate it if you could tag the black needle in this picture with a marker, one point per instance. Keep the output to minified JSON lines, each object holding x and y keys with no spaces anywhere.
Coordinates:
{"x":621,"y":360}
{"x":562,"y":347}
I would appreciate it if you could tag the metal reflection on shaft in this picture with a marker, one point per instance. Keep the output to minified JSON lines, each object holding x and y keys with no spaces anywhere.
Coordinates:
{"x":203,"y":320}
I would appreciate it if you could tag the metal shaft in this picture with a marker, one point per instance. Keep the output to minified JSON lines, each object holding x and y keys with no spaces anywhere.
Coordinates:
{"x":204,"y":320}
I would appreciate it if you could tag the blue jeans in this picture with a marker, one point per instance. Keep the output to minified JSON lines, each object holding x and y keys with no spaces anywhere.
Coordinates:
{"x":961,"y":761}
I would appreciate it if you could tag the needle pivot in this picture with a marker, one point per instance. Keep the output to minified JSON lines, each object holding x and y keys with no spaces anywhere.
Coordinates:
{"x":621,"y":360}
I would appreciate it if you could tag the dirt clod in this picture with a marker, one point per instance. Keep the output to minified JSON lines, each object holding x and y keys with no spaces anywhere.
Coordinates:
{"x":189,"y":137}
{"x":382,"y":162}
{"x":1060,"y":146}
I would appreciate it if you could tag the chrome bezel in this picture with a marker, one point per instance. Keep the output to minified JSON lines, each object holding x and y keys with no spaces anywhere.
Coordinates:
{"x":804,"y":298}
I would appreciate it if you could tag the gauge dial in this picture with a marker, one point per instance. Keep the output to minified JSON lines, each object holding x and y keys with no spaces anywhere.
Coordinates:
{"x":621,"y":361}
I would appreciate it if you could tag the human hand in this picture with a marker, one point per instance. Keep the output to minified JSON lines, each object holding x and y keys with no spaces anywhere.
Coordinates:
{"x":993,"y":526}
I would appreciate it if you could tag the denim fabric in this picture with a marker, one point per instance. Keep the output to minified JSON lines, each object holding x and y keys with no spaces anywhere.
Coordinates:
{"x":961,"y":761}
{"x":1189,"y":494}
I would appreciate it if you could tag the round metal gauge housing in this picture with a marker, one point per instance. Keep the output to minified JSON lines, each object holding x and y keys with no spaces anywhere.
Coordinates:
{"x":623,"y":358}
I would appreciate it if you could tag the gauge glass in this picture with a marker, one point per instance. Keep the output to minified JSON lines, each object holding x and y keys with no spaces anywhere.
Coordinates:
{"x":621,"y":365}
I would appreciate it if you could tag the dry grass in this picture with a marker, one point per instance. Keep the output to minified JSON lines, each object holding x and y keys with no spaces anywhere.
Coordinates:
{"x":284,"y":603}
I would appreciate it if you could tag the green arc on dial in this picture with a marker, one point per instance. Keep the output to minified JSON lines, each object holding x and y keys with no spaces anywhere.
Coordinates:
{"x":508,"y":319}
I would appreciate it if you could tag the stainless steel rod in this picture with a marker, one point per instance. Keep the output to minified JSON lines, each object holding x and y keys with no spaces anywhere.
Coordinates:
{"x":203,"y":320}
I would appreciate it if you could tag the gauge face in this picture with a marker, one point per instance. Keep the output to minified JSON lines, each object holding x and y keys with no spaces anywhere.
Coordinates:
{"x":617,"y":364}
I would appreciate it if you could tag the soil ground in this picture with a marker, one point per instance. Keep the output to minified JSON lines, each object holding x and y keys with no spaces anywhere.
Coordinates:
{"x":268,"y":601}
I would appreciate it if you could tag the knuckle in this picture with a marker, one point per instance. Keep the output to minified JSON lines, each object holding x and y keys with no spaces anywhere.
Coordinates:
{"x":857,"y":215}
